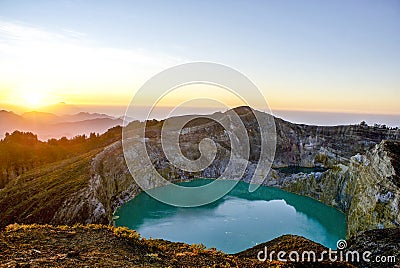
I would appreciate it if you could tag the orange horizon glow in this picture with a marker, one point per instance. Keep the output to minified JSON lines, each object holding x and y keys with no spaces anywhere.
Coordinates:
{"x":27,"y":98}
{"x":38,"y":105}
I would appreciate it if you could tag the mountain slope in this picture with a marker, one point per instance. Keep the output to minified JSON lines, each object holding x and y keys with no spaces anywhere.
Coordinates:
{"x":22,"y":151}
{"x":81,"y":116}
{"x":41,"y":117}
{"x":38,"y":194}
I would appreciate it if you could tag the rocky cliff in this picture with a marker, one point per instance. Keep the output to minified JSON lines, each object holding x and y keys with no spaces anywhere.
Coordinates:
{"x":366,"y":189}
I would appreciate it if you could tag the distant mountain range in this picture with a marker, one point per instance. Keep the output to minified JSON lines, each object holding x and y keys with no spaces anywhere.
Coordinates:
{"x":49,"y":125}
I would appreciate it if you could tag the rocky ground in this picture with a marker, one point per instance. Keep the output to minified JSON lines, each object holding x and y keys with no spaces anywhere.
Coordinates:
{"x":383,"y":243}
{"x":106,"y":246}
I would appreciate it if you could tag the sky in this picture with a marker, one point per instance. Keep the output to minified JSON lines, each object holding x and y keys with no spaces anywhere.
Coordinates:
{"x":327,"y":56}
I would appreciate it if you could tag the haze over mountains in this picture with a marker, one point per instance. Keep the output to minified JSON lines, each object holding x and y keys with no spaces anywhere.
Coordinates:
{"x":321,"y":118}
{"x":49,"y":125}
{"x":62,"y":119}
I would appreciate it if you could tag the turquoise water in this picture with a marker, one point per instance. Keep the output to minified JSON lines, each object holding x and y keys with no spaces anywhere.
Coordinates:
{"x":237,"y":221}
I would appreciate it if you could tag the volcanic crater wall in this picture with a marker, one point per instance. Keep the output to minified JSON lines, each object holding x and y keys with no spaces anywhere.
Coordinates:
{"x":362,"y":179}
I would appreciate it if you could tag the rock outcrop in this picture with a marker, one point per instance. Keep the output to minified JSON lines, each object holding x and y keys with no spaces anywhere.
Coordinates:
{"x":366,"y":189}
{"x":109,"y":186}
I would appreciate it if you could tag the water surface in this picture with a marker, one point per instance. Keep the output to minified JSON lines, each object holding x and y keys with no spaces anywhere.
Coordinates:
{"x":237,"y":221}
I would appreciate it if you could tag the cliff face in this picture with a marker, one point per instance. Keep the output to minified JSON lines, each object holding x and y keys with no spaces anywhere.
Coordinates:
{"x":110,"y":185}
{"x":367,"y":189}
{"x":375,"y":192}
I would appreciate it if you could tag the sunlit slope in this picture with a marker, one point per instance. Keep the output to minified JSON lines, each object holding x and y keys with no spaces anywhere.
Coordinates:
{"x":40,"y":177}
{"x":22,"y":151}
{"x":35,"y":196}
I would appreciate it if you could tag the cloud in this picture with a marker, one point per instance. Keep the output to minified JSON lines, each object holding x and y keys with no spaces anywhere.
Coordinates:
{"x":70,"y":59}
{"x":18,"y":32}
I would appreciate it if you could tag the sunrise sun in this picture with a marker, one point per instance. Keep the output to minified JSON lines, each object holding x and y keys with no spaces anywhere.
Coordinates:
{"x":33,"y":99}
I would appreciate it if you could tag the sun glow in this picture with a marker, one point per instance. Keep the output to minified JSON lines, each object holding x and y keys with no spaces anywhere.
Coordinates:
{"x":32,"y":95}
{"x":33,"y":99}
